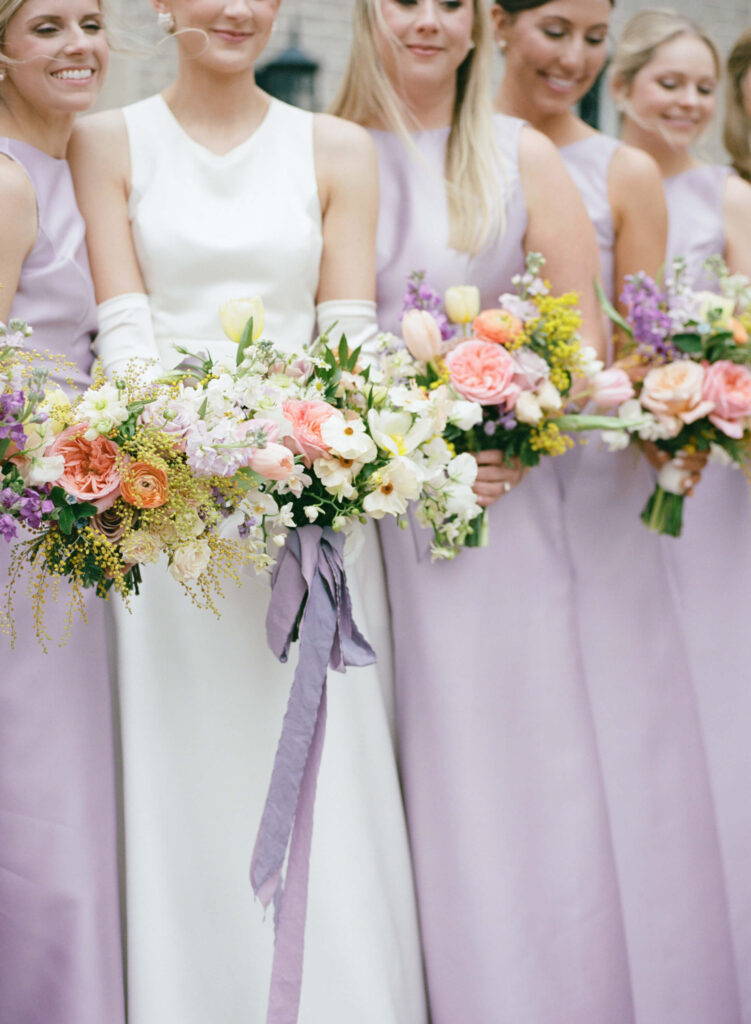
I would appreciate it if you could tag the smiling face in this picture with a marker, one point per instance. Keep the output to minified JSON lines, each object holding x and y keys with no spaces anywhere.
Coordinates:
{"x":57,"y":54}
{"x":230,"y":35}
{"x":553,"y":53}
{"x":422,"y":43}
{"x":673,"y":95}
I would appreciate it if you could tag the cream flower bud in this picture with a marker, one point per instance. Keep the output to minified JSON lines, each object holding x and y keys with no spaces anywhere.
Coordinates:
{"x":549,"y":397}
{"x":235,"y":314}
{"x":528,"y":409}
{"x":462,"y":303}
{"x":421,"y":334}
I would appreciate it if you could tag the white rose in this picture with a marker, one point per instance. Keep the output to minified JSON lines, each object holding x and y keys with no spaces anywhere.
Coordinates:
{"x":190,"y":560}
{"x":141,"y":546}
{"x":465,"y":415}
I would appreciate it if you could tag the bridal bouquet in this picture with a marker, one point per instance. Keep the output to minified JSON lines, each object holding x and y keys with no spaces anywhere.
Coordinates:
{"x":95,"y":485}
{"x":688,"y":356}
{"x":522,"y":363}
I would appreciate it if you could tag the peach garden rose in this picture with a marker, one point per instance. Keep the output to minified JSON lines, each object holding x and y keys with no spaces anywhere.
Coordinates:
{"x":483,"y":372}
{"x":674,"y":393}
{"x":91,"y":466}
{"x":306,"y":419}
{"x":728,"y":387}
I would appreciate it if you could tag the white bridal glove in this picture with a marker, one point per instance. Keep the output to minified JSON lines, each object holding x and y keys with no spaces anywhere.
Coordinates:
{"x":127,"y":334}
{"x":354,"y":317}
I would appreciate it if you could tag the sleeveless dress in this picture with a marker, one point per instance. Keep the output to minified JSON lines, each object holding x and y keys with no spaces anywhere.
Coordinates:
{"x":202,"y":700}
{"x":647,"y":721}
{"x":516,"y":883}
{"x":60,"y":958}
{"x":712,"y":562}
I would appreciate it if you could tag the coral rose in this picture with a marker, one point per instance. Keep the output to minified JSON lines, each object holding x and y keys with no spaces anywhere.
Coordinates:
{"x":728,"y":386}
{"x":673,"y":392}
{"x":306,"y":420}
{"x":497,"y":325}
{"x":483,"y":372}
{"x":144,"y":485}
{"x":91,"y":467}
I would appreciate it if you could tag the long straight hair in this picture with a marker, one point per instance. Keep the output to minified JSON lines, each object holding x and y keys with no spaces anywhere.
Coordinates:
{"x":473,"y":168}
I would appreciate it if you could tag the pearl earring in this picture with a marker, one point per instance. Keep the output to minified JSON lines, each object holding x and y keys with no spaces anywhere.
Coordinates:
{"x":2,"y":74}
{"x":165,"y":21}
{"x":502,"y":45}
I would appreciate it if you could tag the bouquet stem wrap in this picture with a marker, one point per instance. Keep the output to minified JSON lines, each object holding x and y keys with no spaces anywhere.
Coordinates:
{"x":309,"y":599}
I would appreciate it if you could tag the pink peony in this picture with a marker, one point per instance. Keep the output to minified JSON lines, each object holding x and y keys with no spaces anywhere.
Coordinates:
{"x":673,"y":392}
{"x":91,"y":467}
{"x":306,"y":419}
{"x":274,"y":462}
{"x":483,"y":372}
{"x":729,"y":387}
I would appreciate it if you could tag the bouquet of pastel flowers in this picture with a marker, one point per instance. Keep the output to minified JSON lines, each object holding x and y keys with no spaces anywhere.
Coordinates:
{"x":519,"y":371}
{"x":687,"y":355}
{"x":94,"y":485}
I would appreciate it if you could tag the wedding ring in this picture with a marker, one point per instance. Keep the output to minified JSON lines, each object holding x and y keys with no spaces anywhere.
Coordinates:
{"x":506,"y":486}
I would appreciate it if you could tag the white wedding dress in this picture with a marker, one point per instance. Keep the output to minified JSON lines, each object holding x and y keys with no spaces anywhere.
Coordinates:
{"x":202,"y":700}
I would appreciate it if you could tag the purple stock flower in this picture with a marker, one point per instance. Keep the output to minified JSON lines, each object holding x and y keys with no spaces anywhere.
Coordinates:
{"x":420,"y":295}
{"x":8,"y":528}
{"x":650,"y":322}
{"x":8,"y":498}
{"x":11,"y":403}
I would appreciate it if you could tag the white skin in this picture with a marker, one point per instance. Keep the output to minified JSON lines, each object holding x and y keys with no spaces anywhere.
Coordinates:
{"x":56,"y":57}
{"x":425,"y":43}
{"x":217,"y":102}
{"x":668,"y":106}
{"x":553,"y":55}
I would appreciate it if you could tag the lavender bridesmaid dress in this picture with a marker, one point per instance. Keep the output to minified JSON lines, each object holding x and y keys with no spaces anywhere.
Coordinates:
{"x":60,"y":960}
{"x":713,"y":567}
{"x":517,"y":891}
{"x":645,"y":711}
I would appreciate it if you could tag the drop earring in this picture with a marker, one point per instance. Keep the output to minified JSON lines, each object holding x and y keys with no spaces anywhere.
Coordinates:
{"x":166,"y":22}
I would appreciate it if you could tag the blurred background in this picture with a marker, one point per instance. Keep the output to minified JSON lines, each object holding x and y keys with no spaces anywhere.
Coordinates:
{"x":306,"y":58}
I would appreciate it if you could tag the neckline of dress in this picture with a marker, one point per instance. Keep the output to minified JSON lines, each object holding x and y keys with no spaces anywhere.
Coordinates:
{"x":209,"y":154}
{"x":58,"y":160}
{"x":700,"y":170}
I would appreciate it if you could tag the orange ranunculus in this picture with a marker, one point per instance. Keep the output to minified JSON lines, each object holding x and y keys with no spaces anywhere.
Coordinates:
{"x":497,"y":325}
{"x":144,"y":485}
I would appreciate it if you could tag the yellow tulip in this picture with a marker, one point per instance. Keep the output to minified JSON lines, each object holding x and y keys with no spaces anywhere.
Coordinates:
{"x":235,"y":314}
{"x":462,"y":303}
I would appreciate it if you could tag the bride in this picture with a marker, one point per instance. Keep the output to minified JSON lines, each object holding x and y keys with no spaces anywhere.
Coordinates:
{"x":208,"y":192}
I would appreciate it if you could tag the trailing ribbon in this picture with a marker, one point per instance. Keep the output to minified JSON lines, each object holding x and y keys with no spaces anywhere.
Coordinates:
{"x":309,"y":600}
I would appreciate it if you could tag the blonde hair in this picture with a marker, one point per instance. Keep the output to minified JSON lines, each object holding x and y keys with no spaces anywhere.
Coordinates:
{"x":644,"y":34}
{"x":473,"y":167}
{"x":737,"y":130}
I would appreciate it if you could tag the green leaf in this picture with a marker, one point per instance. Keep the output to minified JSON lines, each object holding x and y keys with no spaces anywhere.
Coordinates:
{"x":611,"y":311}
{"x":343,"y":352}
{"x":245,"y":340}
{"x":691,"y":344}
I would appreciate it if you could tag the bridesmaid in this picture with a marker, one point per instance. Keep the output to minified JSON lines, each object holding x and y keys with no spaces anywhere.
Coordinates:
{"x":665,"y":75}
{"x":59,"y":920}
{"x":509,"y":830}
{"x":737,"y":130}
{"x":644,"y":703}
{"x":208,"y":192}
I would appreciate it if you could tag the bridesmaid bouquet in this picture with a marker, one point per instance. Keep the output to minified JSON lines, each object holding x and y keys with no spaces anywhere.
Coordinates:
{"x":522,"y":363}
{"x":688,"y":357}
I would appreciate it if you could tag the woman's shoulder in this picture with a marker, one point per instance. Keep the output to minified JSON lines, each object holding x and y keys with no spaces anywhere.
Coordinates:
{"x":737,"y":197}
{"x":103,"y":135}
{"x":342,"y":139}
{"x":633,"y":172}
{"x":18,"y":206}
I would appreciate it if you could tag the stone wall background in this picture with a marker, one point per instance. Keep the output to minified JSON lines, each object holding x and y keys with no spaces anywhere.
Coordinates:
{"x":322,"y":29}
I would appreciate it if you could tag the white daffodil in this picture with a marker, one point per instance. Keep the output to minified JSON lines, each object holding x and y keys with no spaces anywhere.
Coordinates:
{"x":398,"y":483}
{"x":103,"y":409}
{"x":399,"y":432}
{"x":348,"y":439}
{"x":463,"y":469}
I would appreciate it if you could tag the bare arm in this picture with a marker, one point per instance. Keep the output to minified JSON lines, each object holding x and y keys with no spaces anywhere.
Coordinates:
{"x":18,"y":216}
{"x":347,"y":173}
{"x":737,"y":217}
{"x":559,"y":228}
{"x":100,"y":162}
{"x":640,"y":215}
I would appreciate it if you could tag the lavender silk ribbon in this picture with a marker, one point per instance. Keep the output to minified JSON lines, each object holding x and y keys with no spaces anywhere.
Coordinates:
{"x":309,"y":599}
